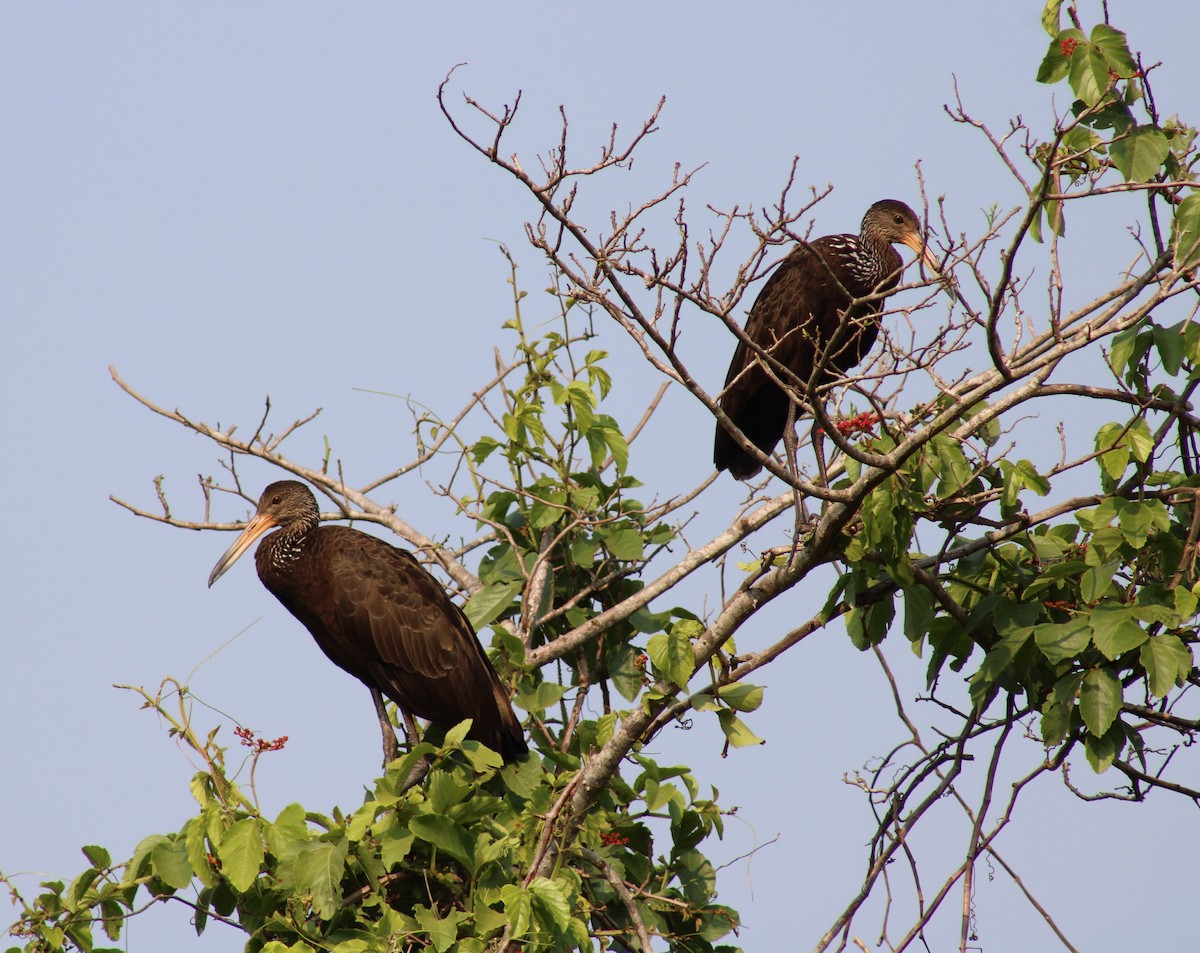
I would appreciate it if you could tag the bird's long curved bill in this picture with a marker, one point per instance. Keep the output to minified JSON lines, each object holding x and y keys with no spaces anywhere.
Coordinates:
{"x":917,"y":244}
{"x":258,"y":526}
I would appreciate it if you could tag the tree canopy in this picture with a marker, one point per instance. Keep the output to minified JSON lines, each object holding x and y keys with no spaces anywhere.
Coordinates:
{"x":1052,"y":599}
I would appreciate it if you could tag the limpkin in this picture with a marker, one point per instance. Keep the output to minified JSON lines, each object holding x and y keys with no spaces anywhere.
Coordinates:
{"x":807,"y":316}
{"x":377,"y":614}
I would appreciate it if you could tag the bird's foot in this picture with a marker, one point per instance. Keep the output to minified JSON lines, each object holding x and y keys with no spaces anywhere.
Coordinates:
{"x":417,"y":774}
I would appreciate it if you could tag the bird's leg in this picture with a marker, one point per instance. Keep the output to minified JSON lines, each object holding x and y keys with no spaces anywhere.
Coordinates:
{"x":798,"y":506}
{"x":417,"y":774}
{"x":818,"y":443}
{"x":418,"y":771}
{"x":410,"y":728}
{"x":391,"y":750}
{"x":789,"y":440}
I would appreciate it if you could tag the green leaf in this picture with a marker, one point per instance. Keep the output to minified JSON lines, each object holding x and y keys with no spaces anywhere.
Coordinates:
{"x":1185,"y":602}
{"x":444,"y":789}
{"x":543,"y":696}
{"x":627,"y":677}
{"x":1171,"y":346}
{"x":318,"y":868}
{"x":625,"y":543}
{"x":1062,"y":641}
{"x":1113,"y":46}
{"x":1167,"y":662}
{"x":918,"y":612}
{"x":1135,"y":520}
{"x":1079,"y":140}
{"x":671,"y":652}
{"x":1123,"y":344}
{"x":1048,"y":548}
{"x":288,"y":833}
{"x":488,"y":603}
{"x":1023,"y":474}
{"x":1087,"y":72}
{"x":1140,"y":154}
{"x":1066,"y":689}
{"x":583,"y":551}
{"x":1141,"y":445}
{"x":1054,"y":209}
{"x":1056,"y":721}
{"x":1099,"y":700}
{"x":487,"y":920}
{"x":241,"y":853}
{"x":141,"y":858}
{"x":1056,"y":63}
{"x":548,"y":510}
{"x":395,"y":846}
{"x":171,"y":864}
{"x":1096,"y":581}
{"x":581,"y":401}
{"x":1115,"y":115}
{"x":443,"y":931}
{"x":454,"y":736}
{"x":448,"y":835}
{"x":197,"y":849}
{"x":98,"y":857}
{"x":868,"y":625}
{"x":605,"y":437}
{"x":954,"y":470}
{"x":879,"y":517}
{"x":1115,"y":631}
{"x":518,"y":907}
{"x":736,"y":731}
{"x":355,"y":945}
{"x":1050,"y":16}
{"x":1113,"y":449}
{"x":1185,"y":237}
{"x":483,"y":448}
{"x":1035,"y":223}
{"x":741,"y":696}
{"x":550,"y":903}
{"x":1102,"y":750}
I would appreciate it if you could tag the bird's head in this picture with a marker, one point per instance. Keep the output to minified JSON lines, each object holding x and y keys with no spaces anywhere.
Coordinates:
{"x":286,"y":505}
{"x":894,"y":222}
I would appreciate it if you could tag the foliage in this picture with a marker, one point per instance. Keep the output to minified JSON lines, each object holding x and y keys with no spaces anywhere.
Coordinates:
{"x":472,"y":856}
{"x":435,"y":865}
{"x":1053,"y":602}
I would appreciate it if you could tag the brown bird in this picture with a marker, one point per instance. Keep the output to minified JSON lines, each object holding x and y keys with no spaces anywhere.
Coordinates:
{"x":805,"y":318}
{"x":377,"y":614}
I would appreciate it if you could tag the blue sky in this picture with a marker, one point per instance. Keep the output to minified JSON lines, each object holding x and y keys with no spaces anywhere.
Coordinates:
{"x":227,"y":201}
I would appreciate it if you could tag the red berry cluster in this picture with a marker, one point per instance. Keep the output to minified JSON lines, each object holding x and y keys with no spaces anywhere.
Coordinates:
{"x":613,"y":839}
{"x":640,"y":661}
{"x":859,"y":424}
{"x":1068,"y":45}
{"x":259,"y":744}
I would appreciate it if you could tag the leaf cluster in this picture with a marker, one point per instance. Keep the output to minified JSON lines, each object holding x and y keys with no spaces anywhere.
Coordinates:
{"x":1115,"y":126}
{"x":445,"y":866}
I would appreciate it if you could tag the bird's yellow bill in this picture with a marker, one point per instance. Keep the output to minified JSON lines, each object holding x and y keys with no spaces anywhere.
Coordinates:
{"x":259,"y":525}
{"x":917,"y":244}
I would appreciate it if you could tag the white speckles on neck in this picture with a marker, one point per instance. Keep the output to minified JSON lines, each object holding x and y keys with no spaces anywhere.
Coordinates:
{"x":286,"y":552}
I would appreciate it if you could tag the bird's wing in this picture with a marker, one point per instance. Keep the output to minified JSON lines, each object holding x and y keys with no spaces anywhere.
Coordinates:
{"x":406,"y":633}
{"x":780,"y":320}
{"x":384,"y":593}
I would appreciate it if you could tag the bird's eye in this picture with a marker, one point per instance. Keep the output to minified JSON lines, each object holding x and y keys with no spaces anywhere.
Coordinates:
{"x":899,"y":219}
{"x":276,"y":500}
